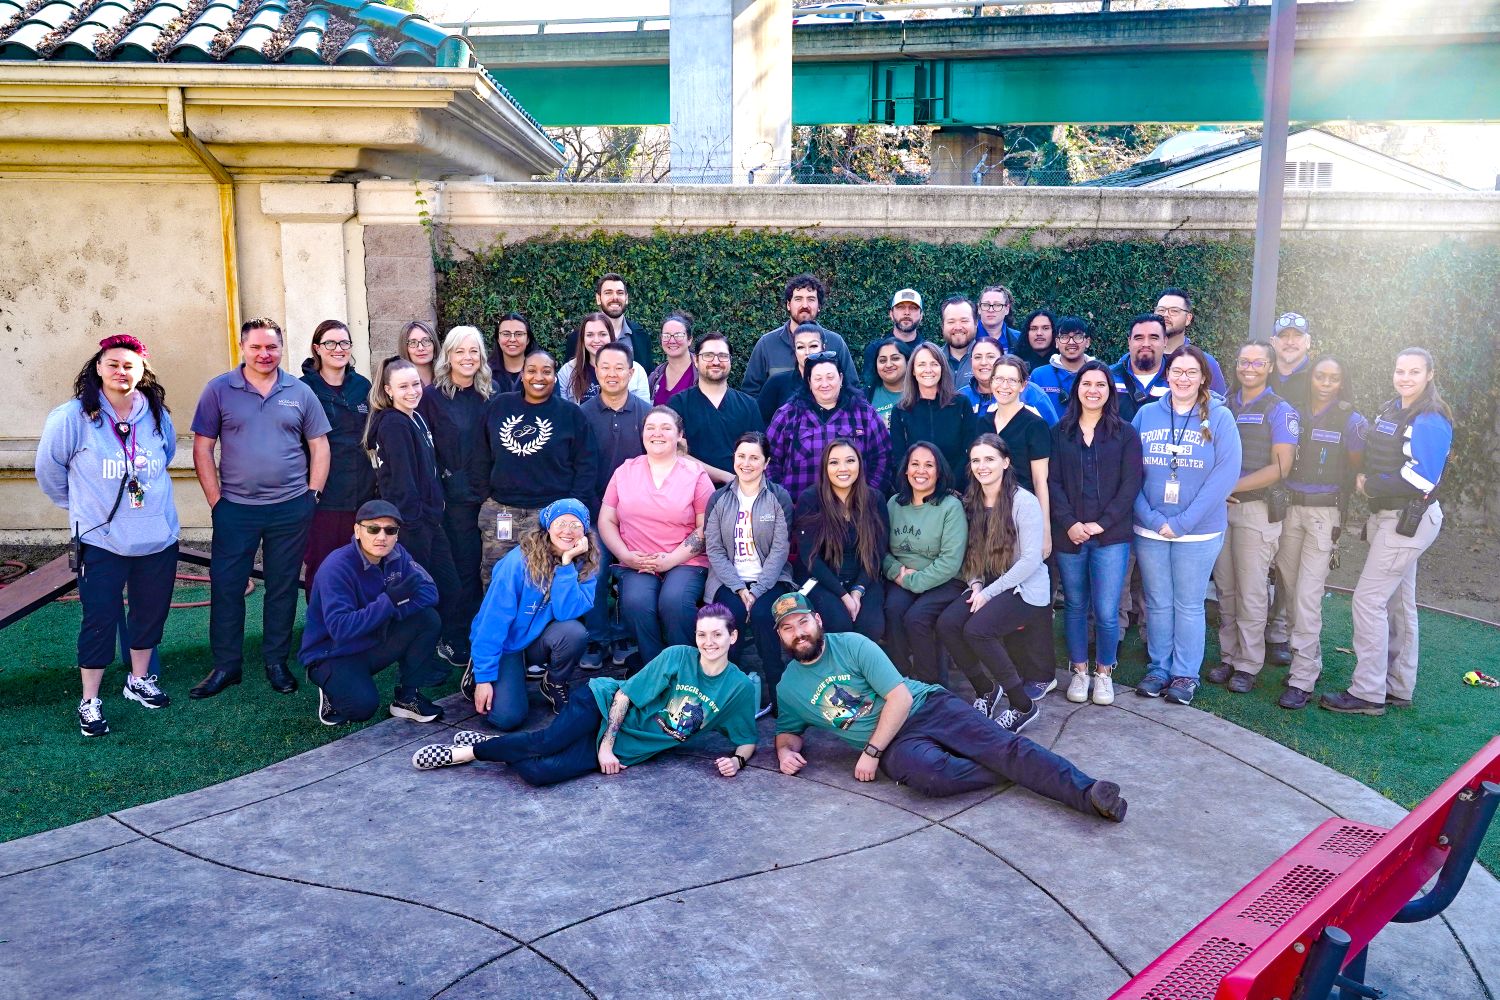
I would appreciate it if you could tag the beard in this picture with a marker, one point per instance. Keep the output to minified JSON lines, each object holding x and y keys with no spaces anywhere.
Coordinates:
{"x":907,"y":324}
{"x":1144,"y":360}
{"x":614,"y":310}
{"x":814,"y":651}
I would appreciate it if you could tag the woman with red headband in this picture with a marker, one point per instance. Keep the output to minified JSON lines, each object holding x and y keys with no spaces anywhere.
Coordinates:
{"x":103,"y":458}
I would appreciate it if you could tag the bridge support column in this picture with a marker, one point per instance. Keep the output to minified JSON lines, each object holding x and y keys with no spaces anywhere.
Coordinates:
{"x":731,"y":90}
{"x":967,"y":156}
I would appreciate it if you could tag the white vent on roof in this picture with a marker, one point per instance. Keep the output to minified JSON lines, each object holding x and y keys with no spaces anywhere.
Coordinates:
{"x":1308,"y":174}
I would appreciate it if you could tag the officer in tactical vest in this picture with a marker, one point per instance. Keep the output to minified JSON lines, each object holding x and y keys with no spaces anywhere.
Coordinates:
{"x":1330,"y":452}
{"x":1268,"y":443}
{"x":1405,"y":456}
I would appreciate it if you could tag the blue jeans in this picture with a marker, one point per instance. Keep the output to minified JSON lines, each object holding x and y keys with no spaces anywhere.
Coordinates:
{"x":558,"y":648}
{"x":650,"y":603}
{"x":1093,"y":576}
{"x":1175,"y":578}
{"x":566,"y":749}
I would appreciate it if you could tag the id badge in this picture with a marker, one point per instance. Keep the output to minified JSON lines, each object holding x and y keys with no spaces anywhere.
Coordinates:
{"x":504,"y":526}
{"x":136,"y":493}
{"x":1173,"y":492}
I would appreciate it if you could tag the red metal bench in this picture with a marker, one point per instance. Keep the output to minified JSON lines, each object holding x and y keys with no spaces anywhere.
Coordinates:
{"x":1303,"y":926}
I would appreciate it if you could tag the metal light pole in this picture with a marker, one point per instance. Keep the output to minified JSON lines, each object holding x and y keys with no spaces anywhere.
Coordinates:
{"x":1279,"y":48}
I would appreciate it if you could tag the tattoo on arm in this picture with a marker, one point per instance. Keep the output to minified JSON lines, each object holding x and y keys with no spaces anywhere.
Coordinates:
{"x":694,"y":543}
{"x":617,"y":710}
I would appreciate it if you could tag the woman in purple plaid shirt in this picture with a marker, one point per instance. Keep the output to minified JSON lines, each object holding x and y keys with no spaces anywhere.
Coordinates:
{"x":826,"y":409}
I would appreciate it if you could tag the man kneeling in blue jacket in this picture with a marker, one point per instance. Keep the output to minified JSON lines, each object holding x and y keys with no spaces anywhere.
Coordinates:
{"x":370,"y":606}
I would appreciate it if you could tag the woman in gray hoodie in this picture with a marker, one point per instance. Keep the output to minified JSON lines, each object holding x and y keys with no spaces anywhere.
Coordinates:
{"x":747,"y":534}
{"x":103,"y":458}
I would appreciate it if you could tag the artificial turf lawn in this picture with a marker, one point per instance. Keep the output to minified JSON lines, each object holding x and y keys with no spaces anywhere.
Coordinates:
{"x":53,"y":776}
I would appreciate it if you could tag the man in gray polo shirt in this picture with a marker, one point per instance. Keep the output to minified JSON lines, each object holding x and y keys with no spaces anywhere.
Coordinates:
{"x":273,"y":460}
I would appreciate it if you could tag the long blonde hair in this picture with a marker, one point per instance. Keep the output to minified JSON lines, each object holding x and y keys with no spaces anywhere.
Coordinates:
{"x":442,"y":371}
{"x":542,"y":559}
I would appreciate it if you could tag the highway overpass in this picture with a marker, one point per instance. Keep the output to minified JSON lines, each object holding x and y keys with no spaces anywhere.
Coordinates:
{"x":1363,"y":60}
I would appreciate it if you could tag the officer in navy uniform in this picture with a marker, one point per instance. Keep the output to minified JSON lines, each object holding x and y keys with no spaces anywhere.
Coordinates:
{"x":1141,"y":376}
{"x":1268,"y":428}
{"x":1330,"y":451}
{"x":1407,"y":451}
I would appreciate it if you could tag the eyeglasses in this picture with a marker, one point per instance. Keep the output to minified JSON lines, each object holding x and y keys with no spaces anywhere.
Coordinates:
{"x":378,"y":529}
{"x":1072,"y":336}
{"x":673,"y":336}
{"x":713,"y":355}
{"x":420,"y":342}
{"x":1005,"y":380}
{"x":993,"y":305}
{"x":1171,"y":311}
{"x":513,"y":335}
{"x":1247,"y":364}
{"x":1178,"y":374}
{"x":336,"y":345}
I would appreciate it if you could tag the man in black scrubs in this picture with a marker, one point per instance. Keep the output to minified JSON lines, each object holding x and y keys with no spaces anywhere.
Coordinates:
{"x":713,"y":414}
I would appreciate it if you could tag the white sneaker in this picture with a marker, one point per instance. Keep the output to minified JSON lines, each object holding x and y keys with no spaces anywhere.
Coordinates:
{"x":1104,"y":688}
{"x":1078,"y":687}
{"x":145,"y":691}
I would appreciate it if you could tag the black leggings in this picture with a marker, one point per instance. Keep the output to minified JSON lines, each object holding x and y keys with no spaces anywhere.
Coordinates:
{"x":1002,"y":645}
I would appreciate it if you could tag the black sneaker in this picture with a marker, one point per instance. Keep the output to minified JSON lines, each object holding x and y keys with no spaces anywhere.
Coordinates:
{"x":466,"y":683}
{"x":326,"y":714}
{"x":1105,"y":799}
{"x":556,"y":694}
{"x":145,"y":691}
{"x":620,"y":651}
{"x":91,"y":717}
{"x":416,"y":707}
{"x":1037,"y":690}
{"x":452,"y":656}
{"x":593,"y":657}
{"x":1013,"y":721}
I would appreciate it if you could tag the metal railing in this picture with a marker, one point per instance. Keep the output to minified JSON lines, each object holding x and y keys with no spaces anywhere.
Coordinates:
{"x":888,"y":12}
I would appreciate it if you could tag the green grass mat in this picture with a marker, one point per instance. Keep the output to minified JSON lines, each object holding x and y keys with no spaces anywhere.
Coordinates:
{"x":53,"y":776}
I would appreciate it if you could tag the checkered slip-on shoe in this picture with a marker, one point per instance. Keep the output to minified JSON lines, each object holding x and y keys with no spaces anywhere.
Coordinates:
{"x":433,"y":756}
{"x":469,"y":738}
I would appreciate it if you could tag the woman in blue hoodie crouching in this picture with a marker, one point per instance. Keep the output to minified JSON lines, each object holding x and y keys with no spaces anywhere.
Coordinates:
{"x":103,"y":458}
{"x":1191,"y":452}
{"x":530,"y":613}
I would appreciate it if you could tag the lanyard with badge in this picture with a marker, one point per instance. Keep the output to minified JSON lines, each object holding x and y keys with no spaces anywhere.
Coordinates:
{"x":134,"y":462}
{"x":1172,"y":493}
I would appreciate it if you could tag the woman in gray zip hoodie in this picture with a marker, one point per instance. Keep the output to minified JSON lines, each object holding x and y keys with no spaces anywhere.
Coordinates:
{"x":749,"y":552}
{"x":103,"y":457}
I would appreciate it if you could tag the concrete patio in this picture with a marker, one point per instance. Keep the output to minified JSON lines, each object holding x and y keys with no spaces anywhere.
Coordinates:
{"x":345,"y":872}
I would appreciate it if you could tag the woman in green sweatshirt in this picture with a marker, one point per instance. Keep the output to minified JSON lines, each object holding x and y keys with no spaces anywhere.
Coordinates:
{"x":928,"y":537}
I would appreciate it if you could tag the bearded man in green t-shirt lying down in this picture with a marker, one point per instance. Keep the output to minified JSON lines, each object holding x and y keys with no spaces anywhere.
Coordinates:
{"x":616,"y":724}
{"x":918,"y":734}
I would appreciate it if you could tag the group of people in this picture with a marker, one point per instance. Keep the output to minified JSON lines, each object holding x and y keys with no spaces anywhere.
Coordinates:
{"x":487,"y":505}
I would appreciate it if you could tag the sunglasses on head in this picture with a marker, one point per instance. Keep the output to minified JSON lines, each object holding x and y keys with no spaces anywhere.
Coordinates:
{"x":1291,"y":321}
{"x":376,"y":529}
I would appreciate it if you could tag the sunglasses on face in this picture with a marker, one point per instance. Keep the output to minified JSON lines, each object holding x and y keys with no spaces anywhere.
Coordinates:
{"x":378,"y":529}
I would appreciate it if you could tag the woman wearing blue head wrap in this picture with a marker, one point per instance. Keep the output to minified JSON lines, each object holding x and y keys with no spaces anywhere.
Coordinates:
{"x":530,"y":614}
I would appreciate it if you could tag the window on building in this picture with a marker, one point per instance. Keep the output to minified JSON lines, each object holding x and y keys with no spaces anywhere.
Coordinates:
{"x":1308,"y":174}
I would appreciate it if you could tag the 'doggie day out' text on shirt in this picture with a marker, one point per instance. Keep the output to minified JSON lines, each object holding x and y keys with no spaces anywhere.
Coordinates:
{"x":843,"y":691}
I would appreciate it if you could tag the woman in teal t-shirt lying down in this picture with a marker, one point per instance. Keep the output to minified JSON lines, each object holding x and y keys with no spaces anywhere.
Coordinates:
{"x":675,"y":696}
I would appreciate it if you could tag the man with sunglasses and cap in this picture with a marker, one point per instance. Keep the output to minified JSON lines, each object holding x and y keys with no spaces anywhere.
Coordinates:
{"x":372,"y":606}
{"x":919,"y":734}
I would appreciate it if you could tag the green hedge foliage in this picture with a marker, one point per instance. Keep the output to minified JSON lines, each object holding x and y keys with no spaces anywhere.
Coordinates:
{"x":1364,"y":298}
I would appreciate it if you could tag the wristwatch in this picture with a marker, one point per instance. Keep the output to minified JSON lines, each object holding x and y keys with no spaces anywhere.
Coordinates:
{"x":744,"y":761}
{"x":871,"y":750}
